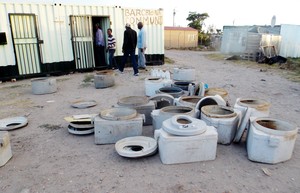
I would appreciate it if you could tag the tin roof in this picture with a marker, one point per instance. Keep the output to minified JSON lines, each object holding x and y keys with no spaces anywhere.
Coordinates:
{"x":180,"y":28}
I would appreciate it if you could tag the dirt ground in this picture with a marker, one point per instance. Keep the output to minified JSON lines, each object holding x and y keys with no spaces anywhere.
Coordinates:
{"x":46,"y":158}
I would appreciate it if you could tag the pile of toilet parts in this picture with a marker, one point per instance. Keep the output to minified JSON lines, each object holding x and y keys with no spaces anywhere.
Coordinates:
{"x":189,"y":120}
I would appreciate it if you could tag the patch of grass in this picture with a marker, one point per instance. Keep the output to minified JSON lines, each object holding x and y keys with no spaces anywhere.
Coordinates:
{"x":289,"y":70}
{"x":85,"y":85}
{"x":88,"y":78}
{"x":50,"y":127}
{"x":292,"y":69}
{"x":294,"y":60}
{"x":62,"y":79}
{"x":22,"y":103}
{"x":249,"y":63}
{"x":216,"y":56}
{"x":293,"y":64}
{"x":9,"y":96}
{"x":10,"y":113}
{"x":15,"y":86}
{"x":169,"y":60}
{"x":293,"y":76}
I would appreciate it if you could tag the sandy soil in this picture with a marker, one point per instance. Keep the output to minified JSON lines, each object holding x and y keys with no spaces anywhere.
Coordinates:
{"x":49,"y":159}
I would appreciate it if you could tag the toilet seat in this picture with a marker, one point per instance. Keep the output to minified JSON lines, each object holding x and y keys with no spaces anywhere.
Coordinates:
{"x":12,"y":123}
{"x":118,"y":113}
{"x":82,"y":104}
{"x":80,"y":131}
{"x":81,"y":124}
{"x":184,"y":125}
{"x":135,"y":147}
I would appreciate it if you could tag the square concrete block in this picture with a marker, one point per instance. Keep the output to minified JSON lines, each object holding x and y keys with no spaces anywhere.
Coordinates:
{"x":111,"y":131}
{"x":5,"y":148}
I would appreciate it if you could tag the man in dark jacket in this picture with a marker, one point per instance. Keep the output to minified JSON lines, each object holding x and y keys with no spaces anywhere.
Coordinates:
{"x":128,"y":48}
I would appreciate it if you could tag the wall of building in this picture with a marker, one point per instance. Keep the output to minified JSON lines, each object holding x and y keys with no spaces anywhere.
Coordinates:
{"x":234,"y":39}
{"x":290,"y":41}
{"x":53,"y":26}
{"x":180,"y":38}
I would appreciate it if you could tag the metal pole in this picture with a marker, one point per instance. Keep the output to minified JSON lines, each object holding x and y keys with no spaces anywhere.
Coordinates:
{"x":174,"y":13}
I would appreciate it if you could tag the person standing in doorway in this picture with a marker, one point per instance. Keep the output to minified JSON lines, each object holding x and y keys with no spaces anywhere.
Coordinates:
{"x":111,"y":48}
{"x":141,"y":44}
{"x":128,"y":48}
{"x":99,"y":41}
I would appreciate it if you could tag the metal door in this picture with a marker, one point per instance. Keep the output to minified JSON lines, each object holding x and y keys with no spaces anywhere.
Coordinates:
{"x":26,"y":43}
{"x":82,"y":40}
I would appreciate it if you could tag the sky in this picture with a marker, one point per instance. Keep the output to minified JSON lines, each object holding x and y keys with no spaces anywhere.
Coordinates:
{"x":221,"y":12}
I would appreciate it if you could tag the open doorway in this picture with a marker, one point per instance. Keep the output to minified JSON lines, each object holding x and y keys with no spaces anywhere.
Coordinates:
{"x":100,"y":56}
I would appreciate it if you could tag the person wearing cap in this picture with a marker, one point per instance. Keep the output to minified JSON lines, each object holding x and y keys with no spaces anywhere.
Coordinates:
{"x":99,"y":41}
{"x":128,"y":48}
{"x":141,"y":44}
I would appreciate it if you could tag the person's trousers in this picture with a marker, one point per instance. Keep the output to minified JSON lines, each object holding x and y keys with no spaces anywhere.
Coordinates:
{"x":141,"y":58}
{"x":111,"y":58}
{"x":100,"y":57}
{"x":132,"y":57}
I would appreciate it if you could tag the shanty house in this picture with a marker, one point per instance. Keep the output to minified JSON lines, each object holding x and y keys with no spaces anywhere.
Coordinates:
{"x":249,"y":40}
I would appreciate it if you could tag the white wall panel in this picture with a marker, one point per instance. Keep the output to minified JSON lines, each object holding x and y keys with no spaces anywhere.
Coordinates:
{"x":290,"y":41}
{"x":7,"y":56}
{"x":53,"y":23}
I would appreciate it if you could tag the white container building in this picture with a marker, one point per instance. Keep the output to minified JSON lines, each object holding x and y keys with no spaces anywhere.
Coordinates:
{"x":44,"y":38}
